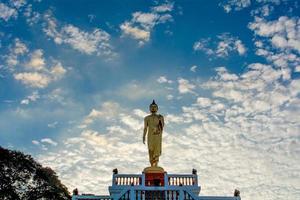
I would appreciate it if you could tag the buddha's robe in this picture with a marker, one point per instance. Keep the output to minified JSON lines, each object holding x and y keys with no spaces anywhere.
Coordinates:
{"x":154,"y":124}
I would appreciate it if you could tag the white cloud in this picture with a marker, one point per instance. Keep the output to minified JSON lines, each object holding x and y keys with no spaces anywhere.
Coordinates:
{"x":31,"y":98}
{"x":297,"y":68}
{"x":35,"y":142}
{"x":146,"y":20}
{"x":224,"y":75}
{"x":254,"y":89}
{"x":18,"y":3}
{"x":33,"y":79}
{"x":142,"y":23}
{"x":235,"y":5}
{"x":7,"y":12}
{"x":95,"y":138}
{"x":283,"y":32}
{"x":93,"y":150}
{"x":32,"y":68}
{"x":202,"y":45}
{"x":18,"y":49}
{"x":193,"y":68}
{"x":134,"y":32}
{"x":263,"y":11}
{"x":11,"y":61}
{"x":140,"y":113}
{"x":107,"y":111}
{"x":222,"y":47}
{"x":51,"y":29}
{"x":240,"y":47}
{"x":83,"y":41}
{"x":58,"y":71}
{"x":167,"y":7}
{"x":277,"y":41}
{"x":34,"y":96}
{"x":228,"y":44}
{"x":257,"y":118}
{"x":40,"y":79}
{"x":52,"y":125}
{"x":171,"y":118}
{"x":25,"y":101}
{"x":32,"y":17}
{"x":94,"y":42}
{"x":59,"y":95}
{"x":203,"y":102}
{"x":44,"y":143}
{"x":170,"y":97}
{"x":163,"y":79}
{"x":37,"y":62}
{"x":184,"y":86}
{"x":49,"y":141}
{"x":131,"y":122}
{"x":11,"y":9}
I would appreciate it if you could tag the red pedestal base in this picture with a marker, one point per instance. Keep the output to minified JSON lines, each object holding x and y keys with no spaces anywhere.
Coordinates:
{"x":155,"y":179}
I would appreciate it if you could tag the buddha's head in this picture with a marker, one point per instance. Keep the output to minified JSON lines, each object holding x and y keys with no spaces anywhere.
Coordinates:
{"x":153,"y":107}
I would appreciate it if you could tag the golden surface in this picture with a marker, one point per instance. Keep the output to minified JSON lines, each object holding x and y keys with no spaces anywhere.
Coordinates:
{"x":153,"y":128}
{"x":154,"y":169}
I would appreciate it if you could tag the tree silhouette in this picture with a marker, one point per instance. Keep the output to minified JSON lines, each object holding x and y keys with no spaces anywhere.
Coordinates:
{"x":22,"y":178}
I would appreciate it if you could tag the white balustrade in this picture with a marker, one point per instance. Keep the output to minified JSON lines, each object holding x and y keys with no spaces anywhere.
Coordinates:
{"x":182,"y":179}
{"x":127,"y":179}
{"x":172,"y":179}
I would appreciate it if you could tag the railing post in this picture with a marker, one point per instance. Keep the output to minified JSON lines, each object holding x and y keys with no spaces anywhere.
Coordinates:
{"x":115,"y":171}
{"x":132,"y":194}
{"x":143,"y":179}
{"x":181,"y":194}
{"x":113,"y":179}
{"x":196,"y":179}
{"x":166,"y":179}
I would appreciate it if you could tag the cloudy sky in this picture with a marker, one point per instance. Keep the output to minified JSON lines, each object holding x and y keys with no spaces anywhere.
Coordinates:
{"x":77,"y":77}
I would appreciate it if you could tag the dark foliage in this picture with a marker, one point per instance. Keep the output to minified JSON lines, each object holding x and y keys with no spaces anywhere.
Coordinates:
{"x":22,"y":178}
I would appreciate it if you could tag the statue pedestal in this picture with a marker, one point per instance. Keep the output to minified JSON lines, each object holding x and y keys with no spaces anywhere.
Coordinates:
{"x":153,"y":169}
{"x":154,"y":176}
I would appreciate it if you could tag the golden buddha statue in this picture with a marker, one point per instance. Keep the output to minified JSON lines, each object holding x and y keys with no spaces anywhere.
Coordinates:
{"x":153,"y":128}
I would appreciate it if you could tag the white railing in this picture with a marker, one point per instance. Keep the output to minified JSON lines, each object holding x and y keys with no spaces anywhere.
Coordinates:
{"x":182,"y":179}
{"x":127,"y":179}
{"x":170,"y":179}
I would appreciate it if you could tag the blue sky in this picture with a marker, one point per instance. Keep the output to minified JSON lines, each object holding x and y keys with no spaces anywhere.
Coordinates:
{"x":77,"y":77}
